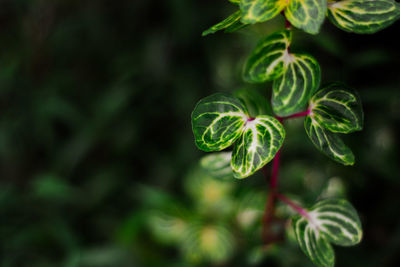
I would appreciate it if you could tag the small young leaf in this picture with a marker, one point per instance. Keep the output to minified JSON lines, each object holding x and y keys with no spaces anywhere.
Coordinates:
{"x":218,"y":164}
{"x":260,"y":141}
{"x":329,"y":221}
{"x":268,"y":60}
{"x":260,"y":10}
{"x":307,"y":15}
{"x":255,"y":103}
{"x":337,"y":108}
{"x":217,"y":121}
{"x":292,"y":91}
{"x":327,"y":142}
{"x":229,"y":24}
{"x":363,"y":16}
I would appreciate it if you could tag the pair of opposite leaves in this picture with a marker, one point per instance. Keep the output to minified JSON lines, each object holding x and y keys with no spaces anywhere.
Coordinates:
{"x":359,"y":16}
{"x":221,"y":120}
{"x":330,"y":221}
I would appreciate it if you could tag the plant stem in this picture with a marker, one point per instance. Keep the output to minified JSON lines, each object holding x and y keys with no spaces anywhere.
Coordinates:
{"x":270,"y":205}
{"x":288,"y":25}
{"x":294,"y":206}
{"x":296,"y":115}
{"x":275,"y":170}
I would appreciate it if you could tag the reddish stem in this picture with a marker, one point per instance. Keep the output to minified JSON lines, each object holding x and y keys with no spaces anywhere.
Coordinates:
{"x":296,"y":115}
{"x":270,"y":205}
{"x":288,"y":25}
{"x":268,"y":218}
{"x":275,"y":170}
{"x":294,"y":206}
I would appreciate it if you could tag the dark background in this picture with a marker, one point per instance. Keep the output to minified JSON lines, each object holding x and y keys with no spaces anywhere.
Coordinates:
{"x":95,"y":103}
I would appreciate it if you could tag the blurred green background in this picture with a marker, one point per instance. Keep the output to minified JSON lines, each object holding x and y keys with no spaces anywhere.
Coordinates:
{"x":98,"y":165}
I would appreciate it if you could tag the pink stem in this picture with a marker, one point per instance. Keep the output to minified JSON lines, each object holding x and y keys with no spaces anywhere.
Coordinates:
{"x":288,"y":25}
{"x":275,"y":170}
{"x":296,"y":115}
{"x":270,"y":205}
{"x":296,"y":207}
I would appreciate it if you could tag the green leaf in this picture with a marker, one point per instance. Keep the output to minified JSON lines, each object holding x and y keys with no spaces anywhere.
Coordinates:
{"x":260,"y":10}
{"x":328,"y":143}
{"x":166,"y":227}
{"x":255,"y":103}
{"x":261,"y":139}
{"x":363,"y":16}
{"x":217,"y":121}
{"x":229,"y":24}
{"x":292,"y":91}
{"x":337,"y":108}
{"x":313,"y":244}
{"x":218,"y":164}
{"x":208,"y":242}
{"x":329,"y":221}
{"x":307,"y":15}
{"x":235,"y":1}
{"x":268,"y":60}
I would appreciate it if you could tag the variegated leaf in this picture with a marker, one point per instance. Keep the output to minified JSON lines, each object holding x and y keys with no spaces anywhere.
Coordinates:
{"x":328,"y":143}
{"x":217,"y":164}
{"x":363,"y":16}
{"x":217,"y":121}
{"x":337,"y":108}
{"x":260,"y":10}
{"x":207,"y":242}
{"x":261,"y":139}
{"x":229,"y":24}
{"x":167,"y":227}
{"x":268,"y":60}
{"x":307,"y":15}
{"x":292,"y":91}
{"x":313,"y":244}
{"x":329,"y":221}
{"x":255,"y":102}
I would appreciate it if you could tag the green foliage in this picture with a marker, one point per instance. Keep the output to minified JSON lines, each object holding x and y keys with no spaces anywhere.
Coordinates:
{"x":328,"y":143}
{"x":260,"y":140}
{"x":334,"y":109}
{"x":268,"y":60}
{"x":218,"y":164}
{"x":230,"y":24}
{"x":220,"y":120}
{"x":292,"y":91}
{"x":206,"y":242}
{"x":363,"y":16}
{"x":255,"y":102}
{"x":95,"y":97}
{"x":203,"y":228}
{"x":329,"y":221}
{"x":217,"y":121}
{"x":337,"y":108}
{"x":260,"y":10}
{"x":307,"y":15}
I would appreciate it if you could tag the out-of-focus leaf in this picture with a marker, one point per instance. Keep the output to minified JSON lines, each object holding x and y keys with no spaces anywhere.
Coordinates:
{"x":363,"y":16}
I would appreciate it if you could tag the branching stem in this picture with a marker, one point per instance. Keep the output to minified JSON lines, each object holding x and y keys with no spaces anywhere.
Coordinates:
{"x":296,"y":115}
{"x":269,"y":212}
{"x":293,"y":205}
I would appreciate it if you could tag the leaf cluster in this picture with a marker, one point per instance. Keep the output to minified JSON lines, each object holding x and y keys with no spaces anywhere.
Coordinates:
{"x":222,"y":120}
